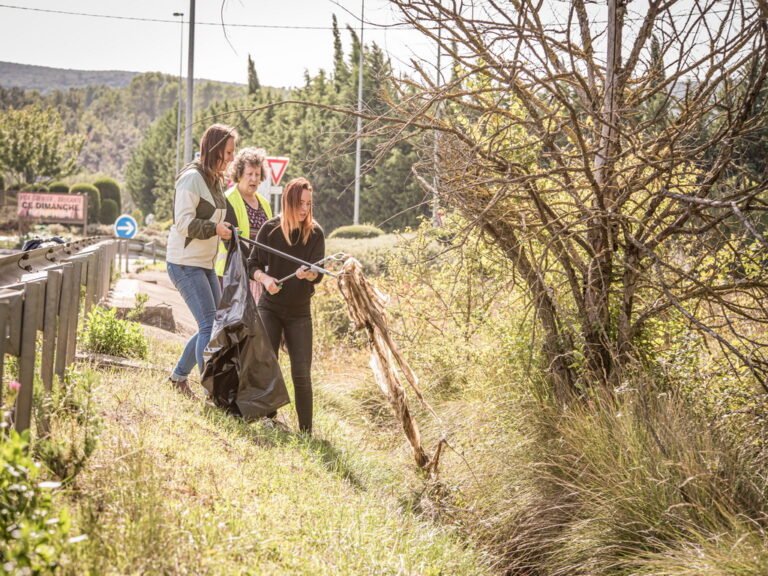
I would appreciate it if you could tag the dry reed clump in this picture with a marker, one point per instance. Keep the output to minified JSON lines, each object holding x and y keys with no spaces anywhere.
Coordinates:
{"x":366,"y":309}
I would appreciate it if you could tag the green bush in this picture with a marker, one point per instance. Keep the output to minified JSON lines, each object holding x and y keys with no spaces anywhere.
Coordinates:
{"x":373,"y":253}
{"x":32,"y":538}
{"x":332,"y":323}
{"x":58,"y":187}
{"x":109,"y":211}
{"x":138,"y":215}
{"x":34,"y":187}
{"x":110,"y":190}
{"x":357,"y":231}
{"x":107,"y":334}
{"x":71,"y":413}
{"x":94,"y":199}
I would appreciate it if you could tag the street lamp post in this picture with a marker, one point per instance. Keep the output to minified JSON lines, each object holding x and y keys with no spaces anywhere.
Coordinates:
{"x":178,"y":107}
{"x":436,"y":151}
{"x":359,"y":143}
{"x":188,"y":153}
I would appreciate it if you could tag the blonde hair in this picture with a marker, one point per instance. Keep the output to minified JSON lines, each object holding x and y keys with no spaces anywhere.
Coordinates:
{"x":291,"y":203}
{"x":213,"y":145}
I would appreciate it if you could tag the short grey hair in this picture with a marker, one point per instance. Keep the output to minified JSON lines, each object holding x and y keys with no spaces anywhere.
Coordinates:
{"x":248,"y":156}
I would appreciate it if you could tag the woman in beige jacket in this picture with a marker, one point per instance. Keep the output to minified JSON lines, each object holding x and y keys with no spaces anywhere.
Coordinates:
{"x":199,"y":209}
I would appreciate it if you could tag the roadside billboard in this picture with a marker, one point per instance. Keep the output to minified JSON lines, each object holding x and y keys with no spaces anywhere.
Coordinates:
{"x":59,"y":208}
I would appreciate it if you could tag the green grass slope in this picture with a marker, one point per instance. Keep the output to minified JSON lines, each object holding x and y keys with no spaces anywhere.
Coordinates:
{"x":177,"y":487}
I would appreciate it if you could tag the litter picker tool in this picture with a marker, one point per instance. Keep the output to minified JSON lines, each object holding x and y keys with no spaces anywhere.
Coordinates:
{"x":338,"y":257}
{"x":310,"y":266}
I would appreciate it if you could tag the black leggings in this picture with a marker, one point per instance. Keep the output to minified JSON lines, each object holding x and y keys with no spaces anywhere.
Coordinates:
{"x":298,"y":339}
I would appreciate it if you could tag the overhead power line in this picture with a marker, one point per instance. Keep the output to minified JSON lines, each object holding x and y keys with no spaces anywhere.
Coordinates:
{"x":165,"y":20}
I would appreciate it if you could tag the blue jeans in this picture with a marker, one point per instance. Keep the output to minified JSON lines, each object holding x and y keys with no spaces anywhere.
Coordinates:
{"x":201,"y":291}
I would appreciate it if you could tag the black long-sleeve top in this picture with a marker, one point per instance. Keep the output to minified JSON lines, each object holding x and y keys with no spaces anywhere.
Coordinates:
{"x":295,"y":294}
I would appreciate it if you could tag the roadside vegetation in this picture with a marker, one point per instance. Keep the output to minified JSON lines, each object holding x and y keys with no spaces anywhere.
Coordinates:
{"x":664,"y":475}
{"x":151,"y":482}
{"x":588,"y":325}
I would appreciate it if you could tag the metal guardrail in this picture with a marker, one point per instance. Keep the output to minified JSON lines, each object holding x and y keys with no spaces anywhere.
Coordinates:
{"x":40,"y":292}
{"x":140,"y":248}
{"x":14,"y":267}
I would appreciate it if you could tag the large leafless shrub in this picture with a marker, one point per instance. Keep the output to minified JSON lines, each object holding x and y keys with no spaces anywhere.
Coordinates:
{"x":597,"y":145}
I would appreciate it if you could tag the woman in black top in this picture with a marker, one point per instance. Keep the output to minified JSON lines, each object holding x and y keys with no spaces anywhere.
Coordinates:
{"x":285,"y":309}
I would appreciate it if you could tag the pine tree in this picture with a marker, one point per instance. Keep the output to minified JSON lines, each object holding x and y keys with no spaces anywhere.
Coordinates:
{"x":340,"y":70}
{"x":253,"y":78}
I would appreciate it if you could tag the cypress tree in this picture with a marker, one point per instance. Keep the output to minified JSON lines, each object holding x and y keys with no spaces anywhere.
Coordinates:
{"x":340,"y":70}
{"x":253,"y":78}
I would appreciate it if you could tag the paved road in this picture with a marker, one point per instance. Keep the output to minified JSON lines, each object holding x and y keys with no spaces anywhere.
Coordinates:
{"x":161,"y":292}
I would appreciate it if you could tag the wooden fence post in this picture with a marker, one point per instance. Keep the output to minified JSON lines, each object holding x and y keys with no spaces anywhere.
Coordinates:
{"x":90,"y":279}
{"x":33,"y":301}
{"x":74,"y":309}
{"x":10,"y":324}
{"x":107,"y":261}
{"x":50,"y":328}
{"x":65,"y":315}
{"x":14,"y":340}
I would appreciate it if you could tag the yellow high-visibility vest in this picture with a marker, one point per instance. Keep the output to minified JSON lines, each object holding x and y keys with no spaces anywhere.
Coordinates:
{"x":243,"y":225}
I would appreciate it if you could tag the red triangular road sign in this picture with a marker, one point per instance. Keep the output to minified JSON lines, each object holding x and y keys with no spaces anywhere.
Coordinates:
{"x":277,"y":166}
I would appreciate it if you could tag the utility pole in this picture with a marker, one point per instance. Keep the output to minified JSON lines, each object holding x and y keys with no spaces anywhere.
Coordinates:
{"x":616,"y":10}
{"x":190,"y":85}
{"x":358,"y":148}
{"x":436,"y":151}
{"x":178,"y":106}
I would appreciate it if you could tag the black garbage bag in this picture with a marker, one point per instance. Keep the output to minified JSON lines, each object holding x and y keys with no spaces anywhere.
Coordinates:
{"x":241,"y":372}
{"x":35,"y":243}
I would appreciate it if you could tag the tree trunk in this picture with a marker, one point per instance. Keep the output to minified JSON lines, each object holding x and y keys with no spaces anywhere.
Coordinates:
{"x":599,"y":351}
{"x":558,"y":343}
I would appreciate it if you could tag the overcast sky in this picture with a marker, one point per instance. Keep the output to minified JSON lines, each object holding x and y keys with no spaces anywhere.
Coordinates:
{"x":284,"y":37}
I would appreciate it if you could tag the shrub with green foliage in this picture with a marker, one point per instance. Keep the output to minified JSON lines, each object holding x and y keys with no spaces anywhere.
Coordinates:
{"x":35,"y":187}
{"x":372,"y":253}
{"x":109,"y":211}
{"x":73,"y":425}
{"x":109,"y":189}
{"x":453,"y":306}
{"x":94,"y":199}
{"x":58,"y":187}
{"x":32,"y":537}
{"x":138,"y":215}
{"x":357,"y":231}
{"x":107,"y":334}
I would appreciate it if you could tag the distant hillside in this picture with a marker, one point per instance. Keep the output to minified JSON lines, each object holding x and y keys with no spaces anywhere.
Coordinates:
{"x":47,"y":80}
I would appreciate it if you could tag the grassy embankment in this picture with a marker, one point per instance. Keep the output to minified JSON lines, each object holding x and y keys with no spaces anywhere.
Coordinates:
{"x":177,"y":487}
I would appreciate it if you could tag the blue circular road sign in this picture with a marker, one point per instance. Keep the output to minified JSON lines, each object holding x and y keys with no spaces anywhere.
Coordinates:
{"x":125,"y":226}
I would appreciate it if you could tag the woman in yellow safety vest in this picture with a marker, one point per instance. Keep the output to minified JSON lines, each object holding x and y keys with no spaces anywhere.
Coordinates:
{"x":246,"y":208}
